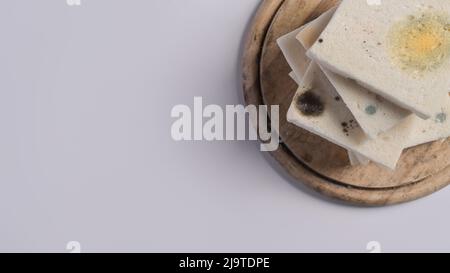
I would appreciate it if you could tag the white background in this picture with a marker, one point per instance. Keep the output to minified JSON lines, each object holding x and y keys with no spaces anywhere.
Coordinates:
{"x":86,"y":152}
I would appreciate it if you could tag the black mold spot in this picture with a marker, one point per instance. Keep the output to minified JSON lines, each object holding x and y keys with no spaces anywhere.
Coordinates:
{"x":310,"y":104}
{"x":347,"y":126}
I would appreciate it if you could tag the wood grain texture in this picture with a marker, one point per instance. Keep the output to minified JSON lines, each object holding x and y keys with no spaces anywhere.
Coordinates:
{"x":310,"y":159}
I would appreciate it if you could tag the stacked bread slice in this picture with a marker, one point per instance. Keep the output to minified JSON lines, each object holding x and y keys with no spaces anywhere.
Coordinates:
{"x":374,"y":79}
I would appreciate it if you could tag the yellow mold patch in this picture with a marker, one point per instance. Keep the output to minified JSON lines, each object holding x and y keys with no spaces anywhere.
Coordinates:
{"x":421,"y":43}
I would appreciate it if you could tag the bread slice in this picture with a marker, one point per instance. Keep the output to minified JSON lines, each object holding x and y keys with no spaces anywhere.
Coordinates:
{"x":309,"y":33}
{"x":374,"y":114}
{"x":422,"y":131}
{"x":399,"y":50}
{"x":386,"y":149}
{"x":294,"y":53}
{"x":354,"y":159}
{"x":315,"y":109}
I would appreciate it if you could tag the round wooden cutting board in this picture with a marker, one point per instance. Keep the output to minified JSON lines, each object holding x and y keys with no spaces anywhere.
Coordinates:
{"x":310,"y":159}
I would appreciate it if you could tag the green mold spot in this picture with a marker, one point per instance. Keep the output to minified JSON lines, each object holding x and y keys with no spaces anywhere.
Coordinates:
{"x":371,"y":110}
{"x":441,"y":117}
